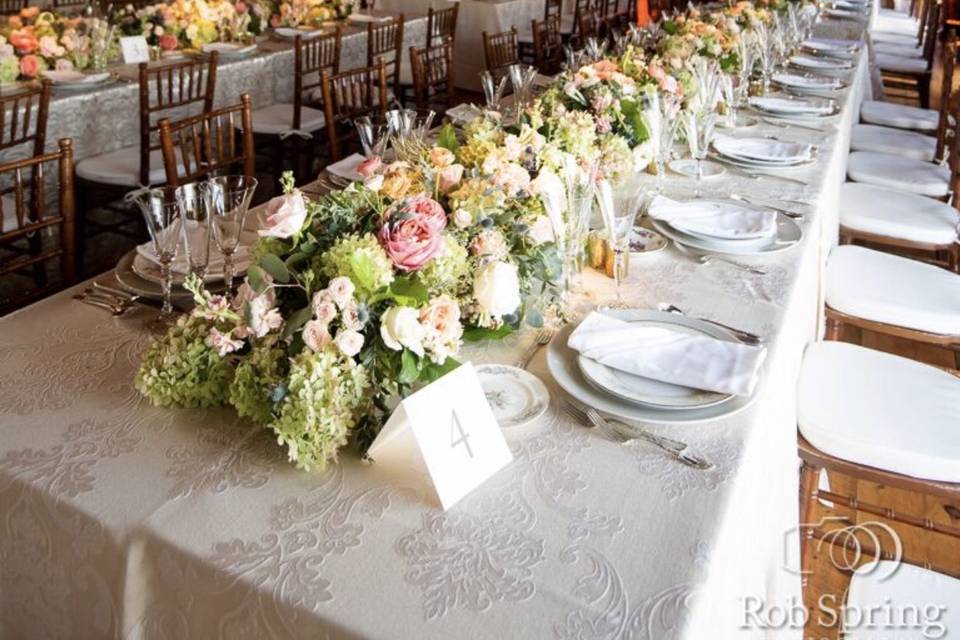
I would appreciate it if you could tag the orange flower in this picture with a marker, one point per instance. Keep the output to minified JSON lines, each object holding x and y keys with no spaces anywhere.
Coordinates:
{"x":24,"y":41}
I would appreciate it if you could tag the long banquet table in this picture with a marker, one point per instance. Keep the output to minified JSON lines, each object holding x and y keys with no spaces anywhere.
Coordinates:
{"x":118,"y":519}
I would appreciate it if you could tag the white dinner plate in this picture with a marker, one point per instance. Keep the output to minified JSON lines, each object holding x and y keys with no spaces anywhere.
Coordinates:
{"x":831,"y":45}
{"x":789,"y":233}
{"x":562,"y":364}
{"x":230,"y":50}
{"x":688,"y":167}
{"x":818,"y":63}
{"x":290,"y":33}
{"x":646,"y":241}
{"x":818,"y":107}
{"x":129,"y":280}
{"x":149,"y":270}
{"x":741,"y":243}
{"x":646,"y":391}
{"x":808,"y":82}
{"x":516,"y":397}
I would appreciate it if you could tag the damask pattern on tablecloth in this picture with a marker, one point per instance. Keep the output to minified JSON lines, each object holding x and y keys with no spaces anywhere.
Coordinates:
{"x":677,"y":480}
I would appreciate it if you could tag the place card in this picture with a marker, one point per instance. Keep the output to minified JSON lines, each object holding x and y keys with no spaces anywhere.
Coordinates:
{"x":134,"y":49}
{"x":445,"y":431}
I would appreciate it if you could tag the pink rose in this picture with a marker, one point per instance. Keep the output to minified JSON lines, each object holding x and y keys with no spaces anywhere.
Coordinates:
{"x":29,"y":66}
{"x":369,"y":166}
{"x":285,"y":216}
{"x":450,"y":177}
{"x":168,"y":42}
{"x":24,"y":41}
{"x":411,"y":235}
{"x":222,"y":342}
{"x":315,"y":335}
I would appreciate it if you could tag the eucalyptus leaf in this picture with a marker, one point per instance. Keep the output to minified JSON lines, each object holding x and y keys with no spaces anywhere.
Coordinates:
{"x":257,"y":279}
{"x":476,"y":334}
{"x":409,"y":367}
{"x":275,"y":267}
{"x":296,"y":320}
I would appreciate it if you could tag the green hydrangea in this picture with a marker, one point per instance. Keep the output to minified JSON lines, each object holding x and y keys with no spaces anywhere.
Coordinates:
{"x":448,"y":270}
{"x":360,"y":258}
{"x":326,"y":392}
{"x":577,"y":133}
{"x":257,"y":383}
{"x":263,"y":246}
{"x":181,"y":370}
{"x":9,"y":69}
{"x":616,"y":157}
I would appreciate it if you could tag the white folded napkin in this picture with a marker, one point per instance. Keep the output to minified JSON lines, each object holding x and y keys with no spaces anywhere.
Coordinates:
{"x":347,"y":168}
{"x":806,"y":82}
{"x":658,"y":353}
{"x":763,"y":149}
{"x":832,"y":44}
{"x":366,"y":17}
{"x":75,"y":77}
{"x":819,"y":63}
{"x":228,"y":48}
{"x":793,"y":107}
{"x":181,"y":264}
{"x":726,"y":220}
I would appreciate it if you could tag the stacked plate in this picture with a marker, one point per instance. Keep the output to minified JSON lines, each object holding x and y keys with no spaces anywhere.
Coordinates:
{"x":831,"y":45}
{"x":632,"y":397}
{"x":789,"y":107}
{"x":290,"y":33}
{"x":816,"y":63}
{"x":806,"y":82}
{"x":723,"y":226}
{"x":76,"y":81}
{"x":763,"y":152}
{"x":229,"y":50}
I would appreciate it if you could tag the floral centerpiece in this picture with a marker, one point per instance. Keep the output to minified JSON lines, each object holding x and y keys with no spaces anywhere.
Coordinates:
{"x":310,"y":13}
{"x":33,"y":41}
{"x":193,"y":23}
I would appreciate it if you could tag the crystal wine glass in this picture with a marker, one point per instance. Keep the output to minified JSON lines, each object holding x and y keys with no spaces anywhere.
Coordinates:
{"x":581,"y":193}
{"x":492,"y":90}
{"x":164,"y":218}
{"x":699,"y":126}
{"x":618,"y":207}
{"x":373,"y":136}
{"x":196,"y":226}
{"x":228,"y":199}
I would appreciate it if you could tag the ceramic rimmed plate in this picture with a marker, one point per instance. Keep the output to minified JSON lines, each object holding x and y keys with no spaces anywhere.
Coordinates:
{"x":828,"y":45}
{"x":229,"y":50}
{"x":808,"y":82}
{"x":789,"y":233}
{"x":562,"y":364}
{"x":688,"y":167}
{"x":792,"y":107}
{"x":646,"y":241}
{"x":814,"y":62}
{"x":645,"y":391}
{"x":290,"y":33}
{"x":129,"y":280}
{"x":515,"y":396}
{"x":149,"y":270}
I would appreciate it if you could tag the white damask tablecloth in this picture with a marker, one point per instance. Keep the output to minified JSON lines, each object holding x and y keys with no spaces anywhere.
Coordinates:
{"x":122,"y":520}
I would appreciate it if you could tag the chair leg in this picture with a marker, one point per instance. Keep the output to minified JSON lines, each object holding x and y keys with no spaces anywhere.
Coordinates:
{"x":923,"y":88}
{"x":809,"y":479}
{"x":834,"y":327}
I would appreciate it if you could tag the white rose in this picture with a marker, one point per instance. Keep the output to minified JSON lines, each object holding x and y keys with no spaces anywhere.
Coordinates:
{"x":496,"y":288}
{"x":374,"y":183}
{"x":341,"y":290}
{"x":323,"y":307}
{"x":285,"y":216}
{"x":462,"y":218}
{"x":400,"y":327}
{"x":541,"y":230}
{"x":315,"y":335}
{"x":349,"y":342}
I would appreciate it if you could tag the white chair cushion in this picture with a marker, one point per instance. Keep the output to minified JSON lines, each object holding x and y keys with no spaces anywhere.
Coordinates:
{"x":278,"y":118}
{"x":897,"y":214}
{"x":121,"y":168}
{"x":891,"y":24}
{"x":892,"y":37}
{"x":909,"y":144}
{"x":901,"y":116}
{"x":880,"y":410}
{"x":886,"y":288}
{"x":900,"y":64}
{"x":910,"y":590}
{"x":900,"y":50}
{"x":896,"y":172}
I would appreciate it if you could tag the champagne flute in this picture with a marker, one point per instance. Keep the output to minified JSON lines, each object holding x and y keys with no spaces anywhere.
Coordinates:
{"x":163,"y":216}
{"x":699,"y":130}
{"x":196,"y":226}
{"x":228,"y":199}
{"x":619,"y":209}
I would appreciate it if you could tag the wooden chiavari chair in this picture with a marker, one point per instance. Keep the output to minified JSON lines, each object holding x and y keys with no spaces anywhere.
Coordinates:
{"x":208,"y":145}
{"x":500,"y":50}
{"x":442,"y":25}
{"x":433,"y":77}
{"x":69,"y":7}
{"x":588,"y":26}
{"x":581,"y":8}
{"x":385,"y":42}
{"x":27,"y":244}
{"x":286,"y":130}
{"x":881,"y":428}
{"x":350,"y":95}
{"x":12,"y":7}
{"x":23,"y":119}
{"x":548,"y":45}
{"x":910,"y":73}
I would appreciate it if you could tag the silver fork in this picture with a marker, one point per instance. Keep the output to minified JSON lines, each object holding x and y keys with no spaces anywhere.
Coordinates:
{"x":114,"y":309}
{"x":790,"y":214}
{"x":591,"y":418}
{"x":704,"y":258}
{"x":744,"y":336}
{"x":544,"y":336}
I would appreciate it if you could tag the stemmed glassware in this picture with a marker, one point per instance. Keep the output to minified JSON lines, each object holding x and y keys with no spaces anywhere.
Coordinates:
{"x":373,"y":136}
{"x":669,"y":124}
{"x":522,"y":78}
{"x":164,"y":219}
{"x":699,"y":127}
{"x":580,"y":192}
{"x":493,"y":90}
{"x":196,"y":226}
{"x":228,"y":199}
{"x":618,"y":208}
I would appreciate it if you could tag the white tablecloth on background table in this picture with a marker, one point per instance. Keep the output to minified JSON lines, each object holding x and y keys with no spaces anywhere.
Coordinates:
{"x":119,"y":519}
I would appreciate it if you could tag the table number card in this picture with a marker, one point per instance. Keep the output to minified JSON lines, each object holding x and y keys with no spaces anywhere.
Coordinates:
{"x":447,"y":427}
{"x":134,"y":49}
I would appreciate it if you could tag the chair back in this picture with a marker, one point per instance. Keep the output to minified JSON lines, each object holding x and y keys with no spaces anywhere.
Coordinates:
{"x":68,"y":6}
{"x":500,"y":50}
{"x":552,"y":8}
{"x":165,"y":91}
{"x":932,"y":31}
{"x":23,"y":118}
{"x":432,"y":70}
{"x":385,"y":42}
{"x":210,"y":144}
{"x":349,"y":95}
{"x":946,"y":94}
{"x":442,"y":24}
{"x":580,"y":8}
{"x":26,"y":247}
{"x":11,"y":7}
{"x":547,"y":44}
{"x":588,"y":26}
{"x":311,"y":57}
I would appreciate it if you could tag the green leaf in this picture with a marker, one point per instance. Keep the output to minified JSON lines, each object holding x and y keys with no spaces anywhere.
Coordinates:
{"x":296,"y":320}
{"x":476,"y":334}
{"x":409,"y":292}
{"x":409,"y":368}
{"x":448,"y":138}
{"x":433,"y":371}
{"x":295,"y":259}
{"x":255,"y":276}
{"x":275,"y":267}
{"x":364,"y":273}
{"x":534,"y":318}
{"x":635,"y":120}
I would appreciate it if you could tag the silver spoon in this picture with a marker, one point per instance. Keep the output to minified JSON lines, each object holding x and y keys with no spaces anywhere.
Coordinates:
{"x":707,"y":258}
{"x":790,"y":214}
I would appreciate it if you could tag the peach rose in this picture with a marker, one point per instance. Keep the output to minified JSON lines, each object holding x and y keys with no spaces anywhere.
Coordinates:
{"x":30,"y":66}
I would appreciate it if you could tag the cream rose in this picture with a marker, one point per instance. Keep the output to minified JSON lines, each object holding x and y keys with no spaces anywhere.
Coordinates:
{"x":285,"y":216}
{"x":315,"y":335}
{"x":441,"y":157}
{"x":496,"y":289}
{"x":349,"y":342}
{"x":400,"y":327}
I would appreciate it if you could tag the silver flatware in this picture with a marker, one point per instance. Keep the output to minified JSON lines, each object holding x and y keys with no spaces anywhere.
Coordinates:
{"x":796,"y":215}
{"x":707,"y":258}
{"x":756,"y":175}
{"x":742,"y":335}
{"x":591,"y":418}
{"x":788,"y":124}
{"x":543,"y":338}
{"x":121,"y":296}
{"x":114,"y":309}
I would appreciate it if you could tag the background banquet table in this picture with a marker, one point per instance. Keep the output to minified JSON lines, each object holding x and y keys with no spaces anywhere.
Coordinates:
{"x":120,"y":519}
{"x":107,"y":119}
